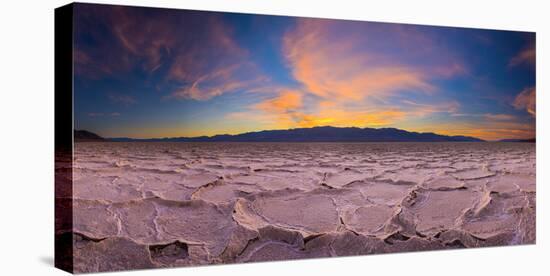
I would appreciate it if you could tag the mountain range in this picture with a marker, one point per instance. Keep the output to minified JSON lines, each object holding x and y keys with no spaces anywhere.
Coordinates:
{"x":86,"y":136}
{"x":314,"y":134}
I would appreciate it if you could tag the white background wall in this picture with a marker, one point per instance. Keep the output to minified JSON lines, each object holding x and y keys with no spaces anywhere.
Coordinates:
{"x":27,"y":123}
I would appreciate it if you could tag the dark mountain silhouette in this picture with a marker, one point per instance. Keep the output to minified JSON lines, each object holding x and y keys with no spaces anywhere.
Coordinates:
{"x":86,"y":136}
{"x":319,"y":134}
{"x":531,"y":140}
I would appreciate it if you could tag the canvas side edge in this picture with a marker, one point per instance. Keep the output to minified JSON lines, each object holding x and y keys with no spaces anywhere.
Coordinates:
{"x":64,"y":137}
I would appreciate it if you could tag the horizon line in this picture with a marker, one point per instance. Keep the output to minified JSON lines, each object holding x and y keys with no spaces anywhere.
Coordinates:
{"x":326,"y":126}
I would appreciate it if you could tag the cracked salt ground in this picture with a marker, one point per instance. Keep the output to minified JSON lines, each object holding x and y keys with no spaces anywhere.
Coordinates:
{"x":142,"y":205}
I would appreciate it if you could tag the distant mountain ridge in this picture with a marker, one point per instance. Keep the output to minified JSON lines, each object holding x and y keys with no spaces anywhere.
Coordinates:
{"x":87,"y":136}
{"x":531,"y":140}
{"x":318,"y":134}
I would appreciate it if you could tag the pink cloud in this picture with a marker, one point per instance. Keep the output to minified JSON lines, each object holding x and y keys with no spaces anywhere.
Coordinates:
{"x":89,"y":66}
{"x":499,"y":117}
{"x":526,"y":99}
{"x":451,"y":70}
{"x":333,"y":68}
{"x":149,"y":39}
{"x":526,"y":56}
{"x":212,"y":65}
{"x":196,"y":50}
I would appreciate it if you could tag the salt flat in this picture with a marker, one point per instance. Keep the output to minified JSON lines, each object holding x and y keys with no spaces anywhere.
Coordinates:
{"x":141,"y":205}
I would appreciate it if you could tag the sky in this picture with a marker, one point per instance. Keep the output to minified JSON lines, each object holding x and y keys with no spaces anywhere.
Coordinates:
{"x":144,"y":73}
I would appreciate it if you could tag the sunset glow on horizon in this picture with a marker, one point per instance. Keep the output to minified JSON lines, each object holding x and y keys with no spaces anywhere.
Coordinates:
{"x":145,"y":73}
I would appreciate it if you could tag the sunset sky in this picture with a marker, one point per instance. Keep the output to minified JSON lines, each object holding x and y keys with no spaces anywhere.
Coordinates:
{"x":145,"y":73}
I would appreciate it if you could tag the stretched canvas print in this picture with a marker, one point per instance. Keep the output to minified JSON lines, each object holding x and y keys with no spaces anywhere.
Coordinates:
{"x":189,"y":138}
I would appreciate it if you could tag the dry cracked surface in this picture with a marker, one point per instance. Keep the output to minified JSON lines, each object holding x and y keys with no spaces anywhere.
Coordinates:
{"x":144,"y":205}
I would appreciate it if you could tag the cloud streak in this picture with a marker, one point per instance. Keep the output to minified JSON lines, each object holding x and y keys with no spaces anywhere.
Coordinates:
{"x":101,"y":114}
{"x":526,"y":99}
{"x":499,"y":117}
{"x":527,"y":56}
{"x":126,"y":100}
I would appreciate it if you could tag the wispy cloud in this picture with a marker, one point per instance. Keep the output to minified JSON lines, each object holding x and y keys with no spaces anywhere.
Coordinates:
{"x":207,"y":85}
{"x":95,"y":114}
{"x":499,"y":117}
{"x":197,"y":52}
{"x":101,"y":114}
{"x":212,"y":64}
{"x":421,"y":109}
{"x":85,"y":64}
{"x":122,"y":99}
{"x":149,"y":39}
{"x":333,"y":68}
{"x":526,"y":99}
{"x":526,"y":56}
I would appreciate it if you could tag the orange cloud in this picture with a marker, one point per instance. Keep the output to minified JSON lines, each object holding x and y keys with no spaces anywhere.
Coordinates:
{"x":334,"y":117}
{"x":287,"y":101}
{"x":340,"y":83}
{"x":343,"y":118}
{"x":287,"y":111}
{"x":333,"y":69}
{"x":526,"y":99}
